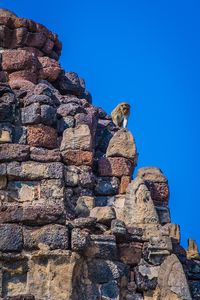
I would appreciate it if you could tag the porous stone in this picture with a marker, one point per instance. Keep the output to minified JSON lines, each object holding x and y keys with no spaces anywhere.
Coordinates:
{"x":77,"y":157}
{"x":157,"y":184}
{"x":107,"y":186}
{"x":33,"y":170}
{"x":9,"y":152}
{"x":31,"y":114}
{"x":42,"y":136}
{"x":52,"y":236}
{"x":115,"y":166}
{"x":11,"y":237}
{"x":44,"y":155}
{"x":49,"y":69}
{"x":122,"y":144}
{"x":102,"y":246}
{"x":103,"y":214}
{"x":78,"y":138}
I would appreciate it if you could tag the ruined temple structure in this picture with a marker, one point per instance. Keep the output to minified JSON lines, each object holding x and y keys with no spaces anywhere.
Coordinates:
{"x":75,"y":224}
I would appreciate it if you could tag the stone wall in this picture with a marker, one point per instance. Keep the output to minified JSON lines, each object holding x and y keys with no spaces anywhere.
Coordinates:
{"x":74,"y":223}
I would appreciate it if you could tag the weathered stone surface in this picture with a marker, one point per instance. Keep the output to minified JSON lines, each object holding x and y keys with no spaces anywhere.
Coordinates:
{"x":122,"y":144}
{"x":101,"y":246}
{"x":62,"y":264}
{"x":79,"y":239}
{"x":78,"y":138}
{"x":87,"y":222}
{"x":7,"y":104}
{"x":42,"y":136}
{"x":138,"y":206}
{"x":11,"y":237}
{"x":131,"y":253}
{"x":9,"y":152}
{"x":157,"y":184}
{"x":125,"y":180}
{"x":107,"y":186}
{"x":34,"y":170}
{"x":42,"y":214}
{"x":49,"y":69}
{"x":192,"y":251}
{"x":115,"y":166}
{"x":70,"y":109}
{"x":77,"y":157}
{"x":3,"y":182}
{"x":44,"y":155}
{"x":31,"y":114}
{"x":102,"y":271}
{"x":48,"y":115}
{"x":52,"y":236}
{"x":118,"y":228}
{"x":172,"y":280}
{"x":103,"y":214}
{"x":15,"y":60}
{"x":110,"y":290}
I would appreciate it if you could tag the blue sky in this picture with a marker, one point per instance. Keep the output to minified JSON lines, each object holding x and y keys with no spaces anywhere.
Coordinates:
{"x":146,"y":53}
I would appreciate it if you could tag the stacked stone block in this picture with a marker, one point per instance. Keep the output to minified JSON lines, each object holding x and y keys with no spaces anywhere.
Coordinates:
{"x":74,"y":223}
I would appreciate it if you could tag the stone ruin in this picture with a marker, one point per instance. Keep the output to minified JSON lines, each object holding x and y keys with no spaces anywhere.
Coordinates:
{"x":74,"y":224}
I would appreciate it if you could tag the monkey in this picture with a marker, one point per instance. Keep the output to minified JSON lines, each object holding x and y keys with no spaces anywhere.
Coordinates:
{"x":7,"y":13}
{"x":120,"y":114}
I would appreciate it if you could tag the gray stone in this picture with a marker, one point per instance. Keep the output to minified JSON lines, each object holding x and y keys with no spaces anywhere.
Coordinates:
{"x":11,"y":237}
{"x":31,"y":114}
{"x":107,"y":186}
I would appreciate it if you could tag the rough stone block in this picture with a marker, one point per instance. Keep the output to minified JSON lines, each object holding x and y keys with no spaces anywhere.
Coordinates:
{"x":103,"y":271}
{"x":17,"y":152}
{"x":49,"y":68}
{"x":130,"y":253}
{"x":42,"y":136}
{"x":11,"y":237}
{"x":103,"y":214}
{"x":34,"y":170}
{"x":115,"y":166}
{"x":42,"y":214}
{"x":71,"y":108}
{"x":122,"y":144}
{"x":157,"y":183}
{"x":31,"y":114}
{"x":107,"y":186}
{"x":11,"y":213}
{"x":16,"y":60}
{"x":77,"y":157}
{"x":125,"y":180}
{"x":52,"y":236}
{"x":102,"y":246}
{"x":79,"y":239}
{"x":5,"y":136}
{"x":78,"y":138}
{"x":48,"y":115}
{"x":44,"y":155}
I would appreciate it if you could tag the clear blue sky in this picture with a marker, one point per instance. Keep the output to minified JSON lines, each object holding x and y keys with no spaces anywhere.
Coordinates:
{"x":146,"y":53}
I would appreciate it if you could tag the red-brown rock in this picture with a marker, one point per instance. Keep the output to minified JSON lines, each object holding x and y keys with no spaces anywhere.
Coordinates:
{"x":16,"y":60}
{"x":49,"y":68}
{"x":125,"y":180}
{"x":77,"y":157}
{"x":115,"y":166}
{"x":42,"y":136}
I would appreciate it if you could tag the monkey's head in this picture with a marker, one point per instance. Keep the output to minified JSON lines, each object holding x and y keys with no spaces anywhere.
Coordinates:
{"x":125,"y":107}
{"x":6,"y":13}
